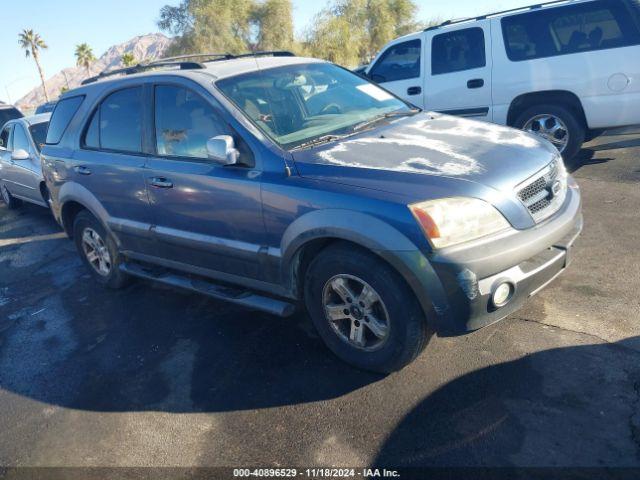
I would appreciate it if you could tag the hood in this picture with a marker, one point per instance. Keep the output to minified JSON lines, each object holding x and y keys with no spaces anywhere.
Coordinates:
{"x":429,"y":149}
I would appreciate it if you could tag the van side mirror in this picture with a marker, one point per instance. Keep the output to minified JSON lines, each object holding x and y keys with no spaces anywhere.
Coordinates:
{"x":221,"y":149}
{"x":20,"y":154}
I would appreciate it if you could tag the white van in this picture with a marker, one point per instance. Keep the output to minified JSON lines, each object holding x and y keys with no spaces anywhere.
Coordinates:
{"x":564,"y":69}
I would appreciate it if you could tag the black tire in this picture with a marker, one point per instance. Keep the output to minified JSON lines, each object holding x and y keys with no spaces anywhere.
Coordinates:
{"x":10,"y":201}
{"x":408,"y":332}
{"x":115,"y":279}
{"x":574,"y":124}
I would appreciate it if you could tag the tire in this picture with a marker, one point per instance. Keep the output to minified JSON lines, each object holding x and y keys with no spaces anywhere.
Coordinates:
{"x":10,"y":201}
{"x":407,"y":333}
{"x":103,"y":245}
{"x":574,"y":126}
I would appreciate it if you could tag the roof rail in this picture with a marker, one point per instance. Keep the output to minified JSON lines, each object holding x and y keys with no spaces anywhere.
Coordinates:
{"x":183,"y":62}
{"x":142,"y":67}
{"x":494,"y":14}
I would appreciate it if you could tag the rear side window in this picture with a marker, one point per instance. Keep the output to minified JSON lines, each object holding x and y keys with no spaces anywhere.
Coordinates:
{"x":458,"y":51}
{"x":61,"y":117}
{"x":398,"y":62}
{"x":117,"y":123}
{"x":571,"y":29}
{"x":39,"y":133}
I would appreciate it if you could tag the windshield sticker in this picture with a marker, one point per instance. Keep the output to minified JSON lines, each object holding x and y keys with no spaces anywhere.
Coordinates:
{"x":375,"y":92}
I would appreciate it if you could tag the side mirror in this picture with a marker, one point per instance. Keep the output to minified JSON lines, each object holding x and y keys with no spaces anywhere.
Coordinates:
{"x":20,"y":154}
{"x":221,"y":149}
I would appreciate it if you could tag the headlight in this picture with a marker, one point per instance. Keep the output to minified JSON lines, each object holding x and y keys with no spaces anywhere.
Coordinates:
{"x":451,"y":221}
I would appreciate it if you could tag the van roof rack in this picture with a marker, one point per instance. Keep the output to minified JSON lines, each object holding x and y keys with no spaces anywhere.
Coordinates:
{"x":495,"y":14}
{"x":185,"y":62}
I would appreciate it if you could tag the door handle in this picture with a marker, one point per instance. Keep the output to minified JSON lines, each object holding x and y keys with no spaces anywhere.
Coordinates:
{"x":82,"y":170}
{"x":475,"y":83}
{"x":414,"y":90}
{"x":161,"y":182}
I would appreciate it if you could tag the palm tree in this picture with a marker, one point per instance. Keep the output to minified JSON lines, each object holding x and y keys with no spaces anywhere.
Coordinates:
{"x":32,"y":44}
{"x":84,"y":57}
{"x":128,"y":60}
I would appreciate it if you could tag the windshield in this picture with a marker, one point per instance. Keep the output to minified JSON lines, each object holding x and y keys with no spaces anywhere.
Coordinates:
{"x":296,"y":104}
{"x":39,"y":133}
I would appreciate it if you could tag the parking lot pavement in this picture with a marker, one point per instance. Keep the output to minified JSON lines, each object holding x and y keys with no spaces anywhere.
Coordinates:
{"x":155,"y":376}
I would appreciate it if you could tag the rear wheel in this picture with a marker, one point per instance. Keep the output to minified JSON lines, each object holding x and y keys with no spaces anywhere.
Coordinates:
{"x":555,"y":123}
{"x":9,"y":199}
{"x":363,"y":310}
{"x":98,"y":251}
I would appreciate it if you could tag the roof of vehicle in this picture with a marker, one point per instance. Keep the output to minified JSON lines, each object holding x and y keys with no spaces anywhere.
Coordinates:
{"x":218,"y":69}
{"x":32,"y":119}
{"x":553,"y":3}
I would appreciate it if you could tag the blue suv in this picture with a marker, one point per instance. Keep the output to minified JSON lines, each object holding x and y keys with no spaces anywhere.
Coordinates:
{"x":274,"y":181}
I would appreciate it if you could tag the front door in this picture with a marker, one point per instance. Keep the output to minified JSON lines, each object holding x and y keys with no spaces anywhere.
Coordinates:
{"x":459,"y":79}
{"x":206,"y":215}
{"x":399,"y":69}
{"x":23,"y":178}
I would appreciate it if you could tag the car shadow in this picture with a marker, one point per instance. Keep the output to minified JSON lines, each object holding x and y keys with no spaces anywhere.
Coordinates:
{"x":574,"y":406}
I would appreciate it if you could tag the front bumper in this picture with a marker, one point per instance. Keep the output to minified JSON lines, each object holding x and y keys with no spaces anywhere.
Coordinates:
{"x":468,"y":275}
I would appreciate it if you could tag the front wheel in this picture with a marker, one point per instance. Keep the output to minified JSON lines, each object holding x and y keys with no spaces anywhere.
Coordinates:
{"x":363,"y":310}
{"x":10,"y":201}
{"x":555,"y":123}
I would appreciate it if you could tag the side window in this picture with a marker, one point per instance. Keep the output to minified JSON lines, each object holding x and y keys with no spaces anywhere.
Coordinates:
{"x":5,"y":138}
{"x":398,"y":62}
{"x":184,"y":121}
{"x":571,"y":29}
{"x":20,"y":139}
{"x":117,"y":123}
{"x":458,"y":51}
{"x":61,"y":117}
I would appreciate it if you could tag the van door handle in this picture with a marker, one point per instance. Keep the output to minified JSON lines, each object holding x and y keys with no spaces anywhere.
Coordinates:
{"x":475,"y":83}
{"x":161,"y":182}
{"x":414,"y":91}
{"x":82,"y":170}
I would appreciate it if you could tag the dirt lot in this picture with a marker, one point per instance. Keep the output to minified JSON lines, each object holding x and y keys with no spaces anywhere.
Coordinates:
{"x":154,"y":376}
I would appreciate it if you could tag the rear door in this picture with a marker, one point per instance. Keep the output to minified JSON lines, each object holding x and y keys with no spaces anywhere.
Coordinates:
{"x":399,"y":69}
{"x":459,"y":70}
{"x":205,"y":215}
{"x":5,"y":152}
{"x":110,"y":165}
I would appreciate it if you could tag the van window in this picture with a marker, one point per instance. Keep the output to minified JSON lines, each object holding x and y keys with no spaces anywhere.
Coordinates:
{"x":399,"y":62}
{"x":117,"y":123}
{"x":61,"y":117}
{"x":184,"y":121}
{"x":569,"y":29}
{"x":458,"y":51}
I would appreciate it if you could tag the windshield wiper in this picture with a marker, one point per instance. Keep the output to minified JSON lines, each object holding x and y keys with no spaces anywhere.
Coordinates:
{"x":377,"y":118}
{"x":319,"y":141}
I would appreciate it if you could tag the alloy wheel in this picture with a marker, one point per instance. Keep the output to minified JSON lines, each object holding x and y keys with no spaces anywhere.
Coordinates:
{"x":356,"y":312}
{"x":96,"y":251}
{"x":5,"y":195}
{"x":549,"y":127}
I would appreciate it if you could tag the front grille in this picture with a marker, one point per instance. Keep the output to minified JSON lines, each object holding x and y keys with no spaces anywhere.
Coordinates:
{"x":544,"y":193}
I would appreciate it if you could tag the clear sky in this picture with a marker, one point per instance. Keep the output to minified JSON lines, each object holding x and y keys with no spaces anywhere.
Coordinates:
{"x":103,"y":23}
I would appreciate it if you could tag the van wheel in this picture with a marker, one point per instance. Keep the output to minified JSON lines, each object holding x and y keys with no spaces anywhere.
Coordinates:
{"x":10,"y":201}
{"x":363,"y":310}
{"x":98,"y":251}
{"x":554,"y":123}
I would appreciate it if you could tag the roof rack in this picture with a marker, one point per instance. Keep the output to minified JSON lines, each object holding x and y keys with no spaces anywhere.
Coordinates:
{"x":495,"y":14}
{"x":183,"y":62}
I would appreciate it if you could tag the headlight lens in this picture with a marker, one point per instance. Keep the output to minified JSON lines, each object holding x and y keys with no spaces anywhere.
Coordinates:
{"x":450,"y":221}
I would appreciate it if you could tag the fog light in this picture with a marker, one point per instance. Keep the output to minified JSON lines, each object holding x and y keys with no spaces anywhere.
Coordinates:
{"x":502,"y":294}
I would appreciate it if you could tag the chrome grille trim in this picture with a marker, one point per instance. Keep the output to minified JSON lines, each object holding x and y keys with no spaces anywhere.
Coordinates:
{"x":538,"y":193}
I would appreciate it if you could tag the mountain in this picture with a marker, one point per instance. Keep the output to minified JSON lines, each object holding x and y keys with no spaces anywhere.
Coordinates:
{"x":147,"y":47}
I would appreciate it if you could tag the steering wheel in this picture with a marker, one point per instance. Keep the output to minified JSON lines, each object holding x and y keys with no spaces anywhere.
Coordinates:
{"x":331,"y":109}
